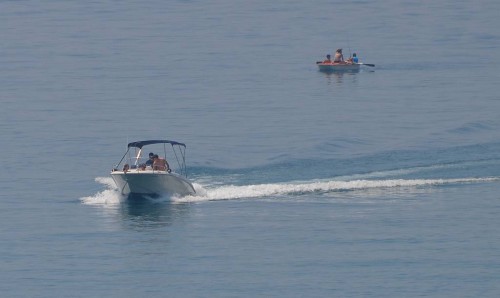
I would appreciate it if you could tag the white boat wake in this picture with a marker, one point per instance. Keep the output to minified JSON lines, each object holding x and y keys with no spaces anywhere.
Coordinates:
{"x":111,"y":195}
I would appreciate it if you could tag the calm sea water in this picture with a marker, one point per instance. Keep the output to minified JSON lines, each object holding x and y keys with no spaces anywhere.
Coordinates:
{"x":382,"y":183}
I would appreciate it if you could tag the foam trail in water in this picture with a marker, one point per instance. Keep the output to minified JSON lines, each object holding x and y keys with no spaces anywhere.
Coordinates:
{"x":407,"y":171}
{"x":263,"y":190}
{"x":110,"y":196}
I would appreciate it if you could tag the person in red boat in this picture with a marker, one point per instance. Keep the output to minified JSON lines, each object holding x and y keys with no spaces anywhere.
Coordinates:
{"x":338,"y":58}
{"x":328,"y":59}
{"x":353,"y":59}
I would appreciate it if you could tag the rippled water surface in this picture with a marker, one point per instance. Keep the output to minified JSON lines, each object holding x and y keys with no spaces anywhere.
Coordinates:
{"x":380,"y":183}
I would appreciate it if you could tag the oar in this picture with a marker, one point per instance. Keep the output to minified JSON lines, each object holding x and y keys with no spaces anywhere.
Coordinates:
{"x":367,"y":64}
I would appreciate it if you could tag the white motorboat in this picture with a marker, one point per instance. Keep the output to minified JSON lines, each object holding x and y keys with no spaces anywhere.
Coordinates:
{"x":134,"y":175}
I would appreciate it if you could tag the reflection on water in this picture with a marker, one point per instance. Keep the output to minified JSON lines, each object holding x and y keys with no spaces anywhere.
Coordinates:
{"x":147,"y":212}
{"x":338,"y":77}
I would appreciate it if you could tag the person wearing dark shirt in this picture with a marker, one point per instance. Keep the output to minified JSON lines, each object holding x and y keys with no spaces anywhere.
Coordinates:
{"x":149,"y":162}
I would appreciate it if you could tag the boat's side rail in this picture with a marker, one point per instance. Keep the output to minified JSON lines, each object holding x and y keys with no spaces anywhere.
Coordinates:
{"x":139,"y":165}
{"x":134,"y":169}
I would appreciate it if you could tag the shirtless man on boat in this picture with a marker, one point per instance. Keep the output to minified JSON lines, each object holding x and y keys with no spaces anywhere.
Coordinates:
{"x":160,"y":164}
{"x":338,"y":59}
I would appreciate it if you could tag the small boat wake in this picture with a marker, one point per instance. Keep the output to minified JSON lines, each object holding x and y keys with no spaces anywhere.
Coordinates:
{"x":230,"y":192}
{"x":108,"y":197}
{"x":111,"y":195}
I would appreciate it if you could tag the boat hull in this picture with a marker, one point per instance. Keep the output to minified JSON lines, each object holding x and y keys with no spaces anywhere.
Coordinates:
{"x":329,"y":67}
{"x":152,"y":183}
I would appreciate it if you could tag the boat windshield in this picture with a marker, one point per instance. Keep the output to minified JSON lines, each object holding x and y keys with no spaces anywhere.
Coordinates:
{"x":137,"y":155}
